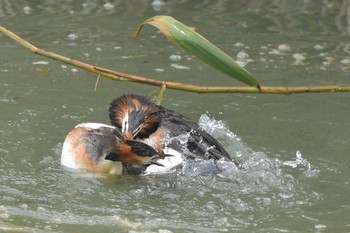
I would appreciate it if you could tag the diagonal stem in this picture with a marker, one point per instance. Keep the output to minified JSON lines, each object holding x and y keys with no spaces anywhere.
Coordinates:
{"x":119,"y":76}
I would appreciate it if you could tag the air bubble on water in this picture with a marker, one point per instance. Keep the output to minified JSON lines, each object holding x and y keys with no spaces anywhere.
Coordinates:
{"x":108,"y":6}
{"x":318,"y":47}
{"x":284,"y":47}
{"x":320,"y":228}
{"x":157,"y":5}
{"x":72,"y":36}
{"x":27,"y":10}
{"x":239,"y":44}
{"x":180,"y":67}
{"x":175,"y":57}
{"x":242,"y":56}
{"x":345,"y":61}
{"x":275,"y":52}
{"x":40,"y":63}
{"x":298,"y":56}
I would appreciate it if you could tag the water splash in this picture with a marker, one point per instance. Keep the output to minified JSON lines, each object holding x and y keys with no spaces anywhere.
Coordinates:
{"x":260,"y":174}
{"x":257,"y":167}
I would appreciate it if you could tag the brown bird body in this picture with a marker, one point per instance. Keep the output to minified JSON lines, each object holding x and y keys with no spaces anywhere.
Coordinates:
{"x":101,"y":148}
{"x":150,"y":123}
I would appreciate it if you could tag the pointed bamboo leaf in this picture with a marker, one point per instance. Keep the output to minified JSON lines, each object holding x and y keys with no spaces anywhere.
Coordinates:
{"x":197,"y":45}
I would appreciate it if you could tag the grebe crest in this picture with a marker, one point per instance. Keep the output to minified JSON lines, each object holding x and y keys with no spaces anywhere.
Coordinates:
{"x":134,"y":114}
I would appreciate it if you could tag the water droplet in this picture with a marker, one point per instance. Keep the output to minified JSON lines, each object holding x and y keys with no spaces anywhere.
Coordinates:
{"x":159,"y":69}
{"x":157,"y":5}
{"x":318,"y":47}
{"x":242,"y":55}
{"x":72,"y":36}
{"x":27,"y":10}
{"x":175,"y":57}
{"x":345,"y":61}
{"x":239,"y":44}
{"x":180,"y":67}
{"x":299,"y":56}
{"x":275,"y":52}
{"x":320,"y":227}
{"x":40,"y":63}
{"x":284,"y":47}
{"x":108,"y":6}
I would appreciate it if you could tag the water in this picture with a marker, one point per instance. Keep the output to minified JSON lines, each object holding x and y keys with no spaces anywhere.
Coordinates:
{"x":293,"y":149}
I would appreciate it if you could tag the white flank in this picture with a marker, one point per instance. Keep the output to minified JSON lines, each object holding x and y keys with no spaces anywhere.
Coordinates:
{"x":169,"y":163}
{"x":92,"y":125}
{"x":67,"y":159}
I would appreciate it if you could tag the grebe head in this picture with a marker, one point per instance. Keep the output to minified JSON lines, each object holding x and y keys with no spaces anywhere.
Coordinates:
{"x":135,"y":152}
{"x":101,"y":148}
{"x":134,"y":114}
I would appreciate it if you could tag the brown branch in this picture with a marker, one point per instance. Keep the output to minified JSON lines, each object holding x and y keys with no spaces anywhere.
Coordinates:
{"x":116,"y":75}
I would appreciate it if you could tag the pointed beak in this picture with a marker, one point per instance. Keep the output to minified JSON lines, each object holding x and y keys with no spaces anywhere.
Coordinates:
{"x":137,"y":130}
{"x":154,"y":161}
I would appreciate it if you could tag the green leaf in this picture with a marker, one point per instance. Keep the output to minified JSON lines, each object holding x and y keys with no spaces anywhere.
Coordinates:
{"x":197,"y":45}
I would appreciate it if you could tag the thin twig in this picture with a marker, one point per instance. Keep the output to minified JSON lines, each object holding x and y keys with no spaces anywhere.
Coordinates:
{"x":119,"y":76}
{"x":161,"y":93}
{"x":96,"y":83}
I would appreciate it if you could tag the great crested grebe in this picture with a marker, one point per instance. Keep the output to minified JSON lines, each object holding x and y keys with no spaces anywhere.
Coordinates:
{"x":102,"y":148}
{"x":136,"y":116}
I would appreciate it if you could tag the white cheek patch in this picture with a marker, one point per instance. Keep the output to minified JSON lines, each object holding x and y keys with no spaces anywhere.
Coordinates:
{"x":125,"y":124}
